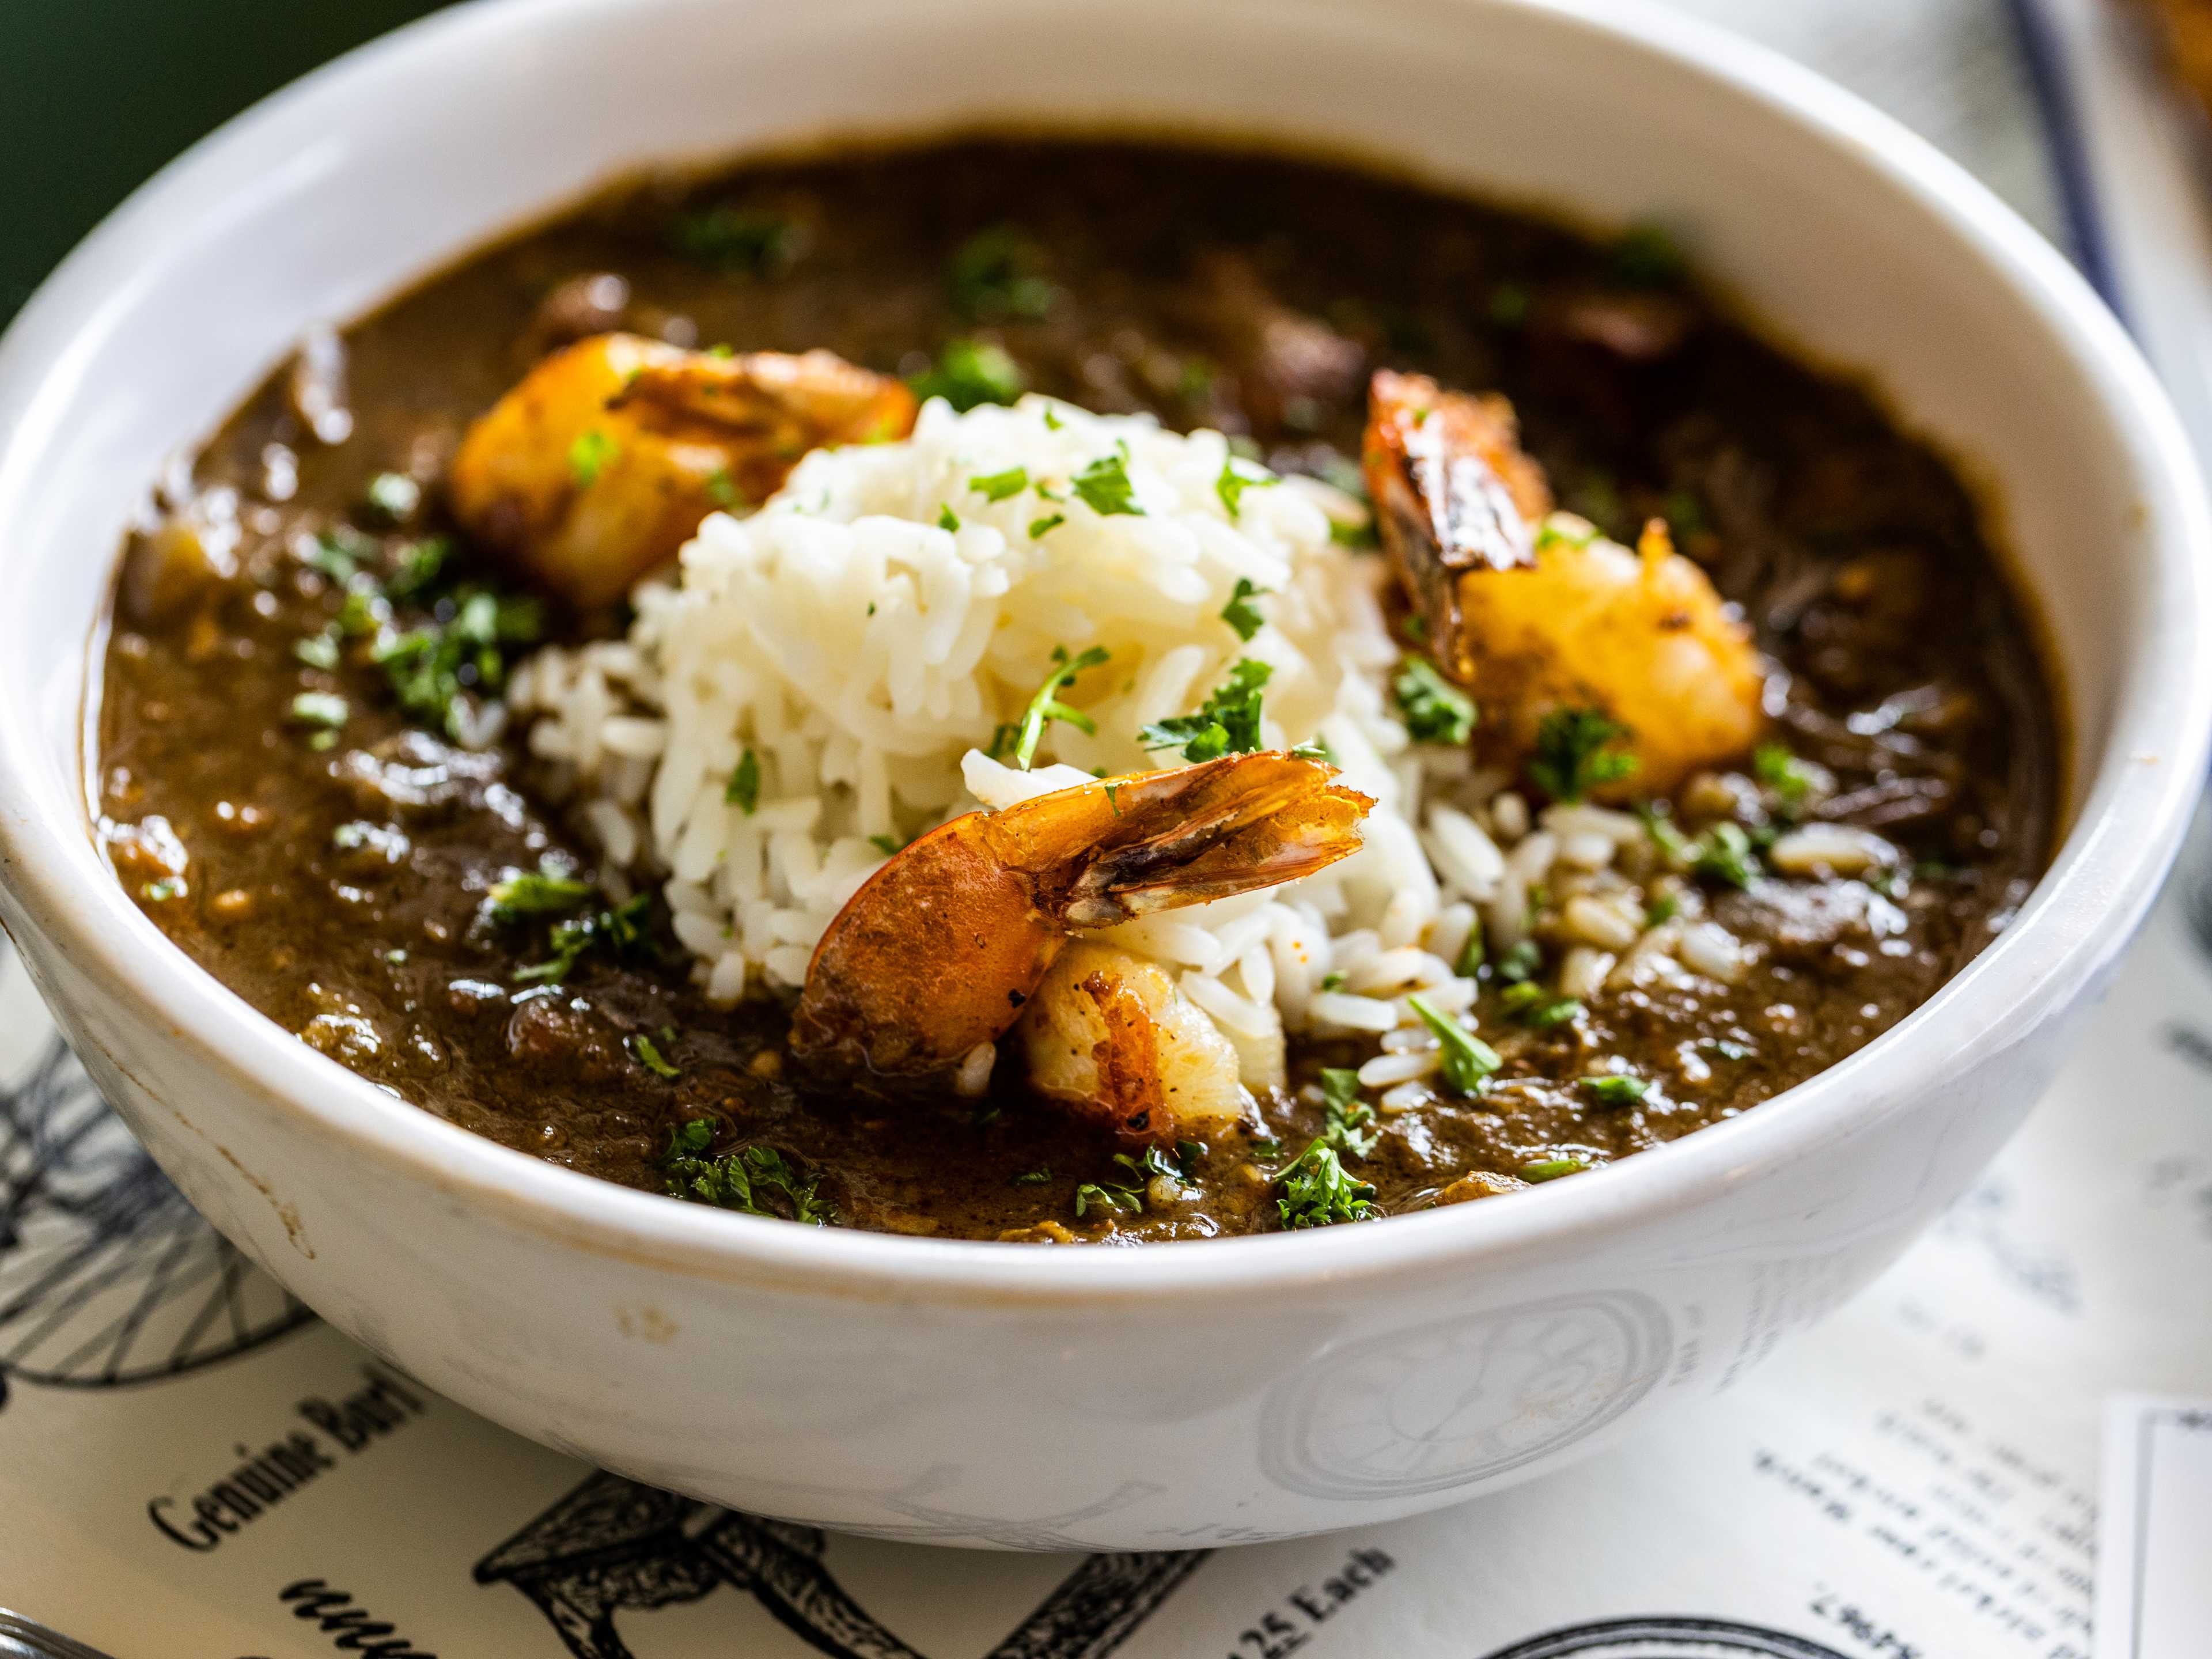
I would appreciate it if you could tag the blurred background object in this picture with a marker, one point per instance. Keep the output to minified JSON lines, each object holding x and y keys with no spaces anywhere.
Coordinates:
{"x":96,"y":95}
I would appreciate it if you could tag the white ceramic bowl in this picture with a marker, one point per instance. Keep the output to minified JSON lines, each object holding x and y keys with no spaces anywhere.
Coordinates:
{"x":1179,"y":1394}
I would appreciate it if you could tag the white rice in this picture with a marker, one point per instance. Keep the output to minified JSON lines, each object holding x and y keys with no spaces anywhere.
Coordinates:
{"x":864,"y":654}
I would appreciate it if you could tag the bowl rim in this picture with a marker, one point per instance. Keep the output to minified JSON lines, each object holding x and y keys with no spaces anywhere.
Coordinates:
{"x":2164,"y":715}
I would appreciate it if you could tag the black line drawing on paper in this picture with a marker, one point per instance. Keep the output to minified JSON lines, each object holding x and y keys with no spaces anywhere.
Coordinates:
{"x":107,"y":1276}
{"x":613,"y":1546}
{"x":1665,"y":1637}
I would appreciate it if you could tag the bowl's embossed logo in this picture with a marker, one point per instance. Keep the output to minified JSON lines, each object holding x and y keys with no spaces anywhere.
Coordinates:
{"x":1451,"y":1403}
{"x":107,"y":1276}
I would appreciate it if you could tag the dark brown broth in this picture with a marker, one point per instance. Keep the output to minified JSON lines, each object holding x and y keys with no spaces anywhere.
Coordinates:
{"x":1853,"y":549}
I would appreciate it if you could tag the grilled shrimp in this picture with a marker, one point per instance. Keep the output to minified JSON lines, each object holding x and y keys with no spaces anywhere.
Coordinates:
{"x":946,"y":946}
{"x":601,"y":462}
{"x":1535,"y":617}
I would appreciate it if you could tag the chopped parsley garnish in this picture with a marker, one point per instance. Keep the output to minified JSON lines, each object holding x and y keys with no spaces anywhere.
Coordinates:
{"x":1435,"y":710}
{"x":161,"y":891}
{"x":391,"y":498}
{"x":1227,"y":722}
{"x":1235,"y":478}
{"x":424,"y":564}
{"x":1789,"y":778}
{"x":339,"y":552}
{"x":461,"y":650}
{"x":1550,"y":534}
{"x":1153,"y":1162}
{"x":1664,"y":908}
{"x":743,"y":790}
{"x":643,"y":1049}
{"x":1469,"y":963}
{"x":547,"y":891}
{"x":721,"y":489}
{"x":968,"y":373}
{"x":1107,"y":1195}
{"x":1332,"y":981}
{"x":1046,"y":707}
{"x":742,"y":1180}
{"x":1537,"y":1008}
{"x":591,"y":455}
{"x":1314,"y":751}
{"x":1104,"y":487}
{"x":1032,"y":1177}
{"x":1724,"y":853}
{"x":1039,"y":527}
{"x":620,"y":930}
{"x":889,"y":846}
{"x":998,"y":486}
{"x":997,"y":274}
{"x":1468,"y":1062}
{"x":1648,"y":256}
{"x":1318,"y":1192}
{"x":1349,"y":1117}
{"x":1360,"y":535}
{"x":1240,"y":613}
{"x":1613,"y":1089}
{"x":734,"y":239}
{"x":1573,"y":755}
{"x":326,"y":709}
{"x":947,"y":518}
{"x":1551,"y":1168}
{"x":1519,"y":962}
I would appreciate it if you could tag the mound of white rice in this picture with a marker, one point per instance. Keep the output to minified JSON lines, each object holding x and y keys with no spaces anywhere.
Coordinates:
{"x":865,"y":634}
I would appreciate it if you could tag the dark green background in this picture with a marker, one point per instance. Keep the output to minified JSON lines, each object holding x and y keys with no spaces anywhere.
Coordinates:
{"x":95,"y":95}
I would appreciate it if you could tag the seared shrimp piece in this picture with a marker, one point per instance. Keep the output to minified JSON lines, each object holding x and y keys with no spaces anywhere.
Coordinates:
{"x":603,"y":460}
{"x":949,"y":941}
{"x":1535,"y":622}
{"x":1109,"y":1036}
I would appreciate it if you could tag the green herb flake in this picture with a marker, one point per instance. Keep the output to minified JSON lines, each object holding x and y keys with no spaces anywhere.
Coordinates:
{"x":1573,"y":753}
{"x":1104,"y":486}
{"x":1664,"y":908}
{"x":1789,"y":778}
{"x":740,"y":240}
{"x":998,"y":274}
{"x":1724,"y":853}
{"x":1240,"y":613}
{"x":1551,"y":1168}
{"x":1435,"y":710}
{"x":643,"y":1049}
{"x":1347,"y":1130}
{"x":620,"y":931}
{"x":947,"y":518}
{"x":1235,"y":478}
{"x":1332,"y":981}
{"x":592,"y":453}
{"x":998,"y":486}
{"x":1227,"y":723}
{"x":1537,"y":1008}
{"x":1046,"y":707}
{"x":1107,"y":1196}
{"x":743,"y":790}
{"x":1647,"y":256}
{"x":1318,"y":1192}
{"x":969,"y":372}
{"x":1613,"y":1089}
{"x":1039,"y":528}
{"x":1551,"y":533}
{"x":1468,"y":1062}
{"x":1469,"y":963}
{"x":745,"y":1180}
{"x":1361,"y":535}
{"x":161,"y":891}
{"x":547,"y":891}
{"x":326,"y":709}
{"x":1518,"y":964}
{"x":1032,"y":1177}
{"x":339,"y":553}
{"x":722,"y":490}
{"x":889,"y":846}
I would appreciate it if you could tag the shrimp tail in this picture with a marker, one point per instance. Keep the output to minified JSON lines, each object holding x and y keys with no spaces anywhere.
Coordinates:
{"x":942,"y":948}
{"x":1453,"y":493}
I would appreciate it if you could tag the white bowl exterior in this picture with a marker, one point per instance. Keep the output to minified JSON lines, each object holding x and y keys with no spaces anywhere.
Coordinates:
{"x":1179,"y":1395}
